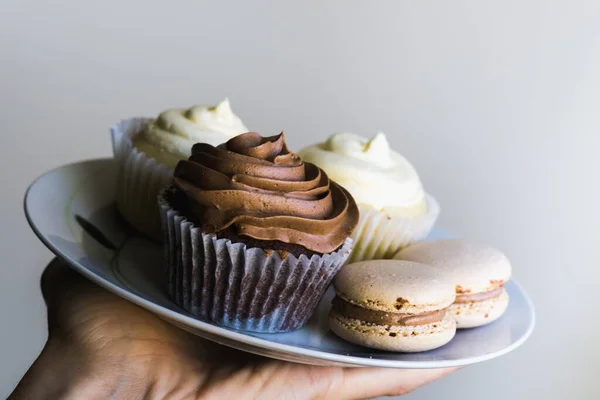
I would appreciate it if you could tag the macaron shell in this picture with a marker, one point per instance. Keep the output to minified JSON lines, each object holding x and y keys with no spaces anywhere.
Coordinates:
{"x":472,"y":266}
{"x":470,"y":315}
{"x":406,"y":339}
{"x":394,"y":286}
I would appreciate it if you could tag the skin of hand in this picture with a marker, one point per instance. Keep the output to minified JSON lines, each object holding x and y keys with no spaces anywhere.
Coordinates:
{"x":103,"y":347}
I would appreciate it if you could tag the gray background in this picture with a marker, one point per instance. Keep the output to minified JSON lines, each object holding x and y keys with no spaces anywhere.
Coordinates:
{"x":496,"y":104}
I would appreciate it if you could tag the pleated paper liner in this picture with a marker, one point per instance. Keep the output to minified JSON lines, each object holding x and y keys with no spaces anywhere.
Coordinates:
{"x":139,"y":179}
{"x":379,"y":236}
{"x":249,"y":289}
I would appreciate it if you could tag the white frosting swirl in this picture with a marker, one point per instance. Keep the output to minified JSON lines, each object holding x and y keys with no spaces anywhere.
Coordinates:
{"x":171,"y":136}
{"x":373,"y":173}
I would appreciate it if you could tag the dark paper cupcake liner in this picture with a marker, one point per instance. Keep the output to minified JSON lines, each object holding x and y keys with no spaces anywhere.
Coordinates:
{"x":243,"y":288}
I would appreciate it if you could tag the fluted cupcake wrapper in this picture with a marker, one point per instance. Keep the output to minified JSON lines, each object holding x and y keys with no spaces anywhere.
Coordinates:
{"x":139,"y":179}
{"x":379,"y":236}
{"x":249,"y":289}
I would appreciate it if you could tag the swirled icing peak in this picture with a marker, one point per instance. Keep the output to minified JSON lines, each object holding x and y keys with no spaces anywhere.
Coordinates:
{"x":257,"y":187}
{"x":375,"y":150}
{"x":373,"y":173}
{"x":170,"y":137}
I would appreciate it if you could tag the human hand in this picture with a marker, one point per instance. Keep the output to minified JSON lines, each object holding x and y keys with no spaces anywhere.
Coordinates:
{"x":101,"y":346}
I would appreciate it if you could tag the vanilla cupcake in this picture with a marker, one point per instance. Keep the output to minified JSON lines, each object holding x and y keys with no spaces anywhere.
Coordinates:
{"x":147,"y":150}
{"x":394,"y":209}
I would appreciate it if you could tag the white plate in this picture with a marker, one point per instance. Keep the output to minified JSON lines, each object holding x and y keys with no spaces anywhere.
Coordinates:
{"x":71,"y":210}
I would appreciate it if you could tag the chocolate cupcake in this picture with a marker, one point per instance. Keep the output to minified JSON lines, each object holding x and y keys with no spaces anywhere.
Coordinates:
{"x":253,"y":235}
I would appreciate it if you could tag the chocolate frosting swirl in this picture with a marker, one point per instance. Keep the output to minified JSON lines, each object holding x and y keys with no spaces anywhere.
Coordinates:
{"x":263,"y":191}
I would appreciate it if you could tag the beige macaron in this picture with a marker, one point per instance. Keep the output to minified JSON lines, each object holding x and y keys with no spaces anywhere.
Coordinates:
{"x":479,"y":273}
{"x":393,"y":305}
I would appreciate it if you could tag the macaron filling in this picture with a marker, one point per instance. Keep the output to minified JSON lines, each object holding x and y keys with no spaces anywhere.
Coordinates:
{"x":349,"y":310}
{"x":478,"y":297}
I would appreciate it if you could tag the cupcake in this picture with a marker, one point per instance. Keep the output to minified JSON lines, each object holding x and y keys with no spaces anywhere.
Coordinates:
{"x":253,"y":235}
{"x":394,"y":209}
{"x":147,"y":150}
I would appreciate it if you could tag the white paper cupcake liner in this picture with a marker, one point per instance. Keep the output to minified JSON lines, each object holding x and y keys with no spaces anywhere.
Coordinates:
{"x":379,"y":236}
{"x":239,"y":287}
{"x":139,"y":179}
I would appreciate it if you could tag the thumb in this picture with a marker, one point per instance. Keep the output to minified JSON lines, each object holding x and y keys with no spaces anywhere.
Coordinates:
{"x":65,"y":292}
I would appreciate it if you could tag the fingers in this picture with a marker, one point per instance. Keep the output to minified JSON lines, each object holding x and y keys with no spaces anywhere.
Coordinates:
{"x":361,"y":383}
{"x":275,"y":378}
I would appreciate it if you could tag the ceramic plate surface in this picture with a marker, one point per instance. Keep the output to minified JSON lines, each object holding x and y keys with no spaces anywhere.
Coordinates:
{"x":71,"y":210}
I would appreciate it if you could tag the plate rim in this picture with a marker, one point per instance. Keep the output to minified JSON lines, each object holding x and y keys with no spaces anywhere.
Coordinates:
{"x":236,"y":336}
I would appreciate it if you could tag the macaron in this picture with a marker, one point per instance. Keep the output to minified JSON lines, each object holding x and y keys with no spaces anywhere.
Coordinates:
{"x":393,"y":305}
{"x":479,"y":273}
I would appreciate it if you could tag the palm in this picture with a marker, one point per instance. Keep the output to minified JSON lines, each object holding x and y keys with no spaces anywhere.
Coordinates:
{"x":114,"y":339}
